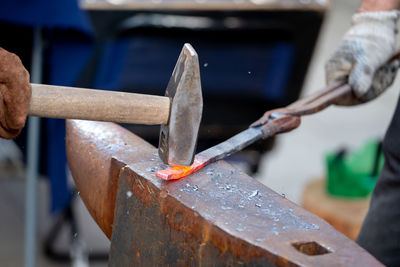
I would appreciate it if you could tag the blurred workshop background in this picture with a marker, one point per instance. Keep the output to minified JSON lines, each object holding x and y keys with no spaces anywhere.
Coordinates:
{"x":136,"y":51}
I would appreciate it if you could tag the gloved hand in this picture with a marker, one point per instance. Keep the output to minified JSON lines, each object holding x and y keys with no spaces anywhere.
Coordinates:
{"x":15,"y":94}
{"x":360,"y":59}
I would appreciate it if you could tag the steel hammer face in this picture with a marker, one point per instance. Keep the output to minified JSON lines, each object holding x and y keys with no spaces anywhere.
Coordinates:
{"x":178,"y":138}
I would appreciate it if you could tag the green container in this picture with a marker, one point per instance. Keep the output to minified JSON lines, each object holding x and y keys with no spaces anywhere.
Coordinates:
{"x":354,"y":174}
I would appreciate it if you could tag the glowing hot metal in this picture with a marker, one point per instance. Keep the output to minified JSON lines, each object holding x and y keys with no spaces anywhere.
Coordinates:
{"x":177,"y":172}
{"x":276,"y":123}
{"x":222,"y":150}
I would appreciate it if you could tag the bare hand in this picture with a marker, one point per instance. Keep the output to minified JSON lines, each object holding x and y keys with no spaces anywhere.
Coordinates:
{"x":15,"y":94}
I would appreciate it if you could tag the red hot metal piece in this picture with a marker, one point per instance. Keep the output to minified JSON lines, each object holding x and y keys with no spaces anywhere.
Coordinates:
{"x":178,"y":172}
{"x":278,"y":124}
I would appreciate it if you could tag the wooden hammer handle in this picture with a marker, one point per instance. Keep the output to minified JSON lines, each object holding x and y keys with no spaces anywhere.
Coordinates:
{"x":98,"y":105}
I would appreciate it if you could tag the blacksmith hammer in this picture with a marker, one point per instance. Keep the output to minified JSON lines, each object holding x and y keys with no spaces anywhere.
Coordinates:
{"x":179,"y":111}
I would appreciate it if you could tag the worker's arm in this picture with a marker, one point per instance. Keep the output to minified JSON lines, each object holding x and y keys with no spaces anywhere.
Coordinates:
{"x":15,"y":93}
{"x":368,"y":44}
{"x":379,"y":5}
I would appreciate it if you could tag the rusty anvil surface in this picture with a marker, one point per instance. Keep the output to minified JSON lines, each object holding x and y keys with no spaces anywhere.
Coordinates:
{"x":218,"y":216}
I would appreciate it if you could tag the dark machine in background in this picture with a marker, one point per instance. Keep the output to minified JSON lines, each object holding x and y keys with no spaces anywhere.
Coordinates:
{"x":250,"y":62}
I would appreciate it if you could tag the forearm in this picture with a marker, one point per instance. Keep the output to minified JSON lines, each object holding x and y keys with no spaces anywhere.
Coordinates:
{"x":379,"y":5}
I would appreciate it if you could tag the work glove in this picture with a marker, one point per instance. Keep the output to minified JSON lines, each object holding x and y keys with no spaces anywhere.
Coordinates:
{"x":15,"y":94}
{"x":364,"y":58}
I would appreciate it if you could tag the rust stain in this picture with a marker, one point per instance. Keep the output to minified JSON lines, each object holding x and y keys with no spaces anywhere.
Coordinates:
{"x":138,"y":253}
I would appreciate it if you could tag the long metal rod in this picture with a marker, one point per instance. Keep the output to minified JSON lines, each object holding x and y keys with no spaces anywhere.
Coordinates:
{"x":232,"y":145}
{"x":33,"y":156}
{"x":208,"y":156}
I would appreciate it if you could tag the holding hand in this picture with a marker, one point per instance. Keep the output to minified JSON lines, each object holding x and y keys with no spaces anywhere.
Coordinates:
{"x":15,"y":94}
{"x":361,"y":57}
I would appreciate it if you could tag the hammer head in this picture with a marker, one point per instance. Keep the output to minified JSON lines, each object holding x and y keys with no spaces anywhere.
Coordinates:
{"x":178,"y":138}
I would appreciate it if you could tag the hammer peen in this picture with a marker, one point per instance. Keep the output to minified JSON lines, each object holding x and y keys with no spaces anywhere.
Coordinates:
{"x":179,"y":111}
